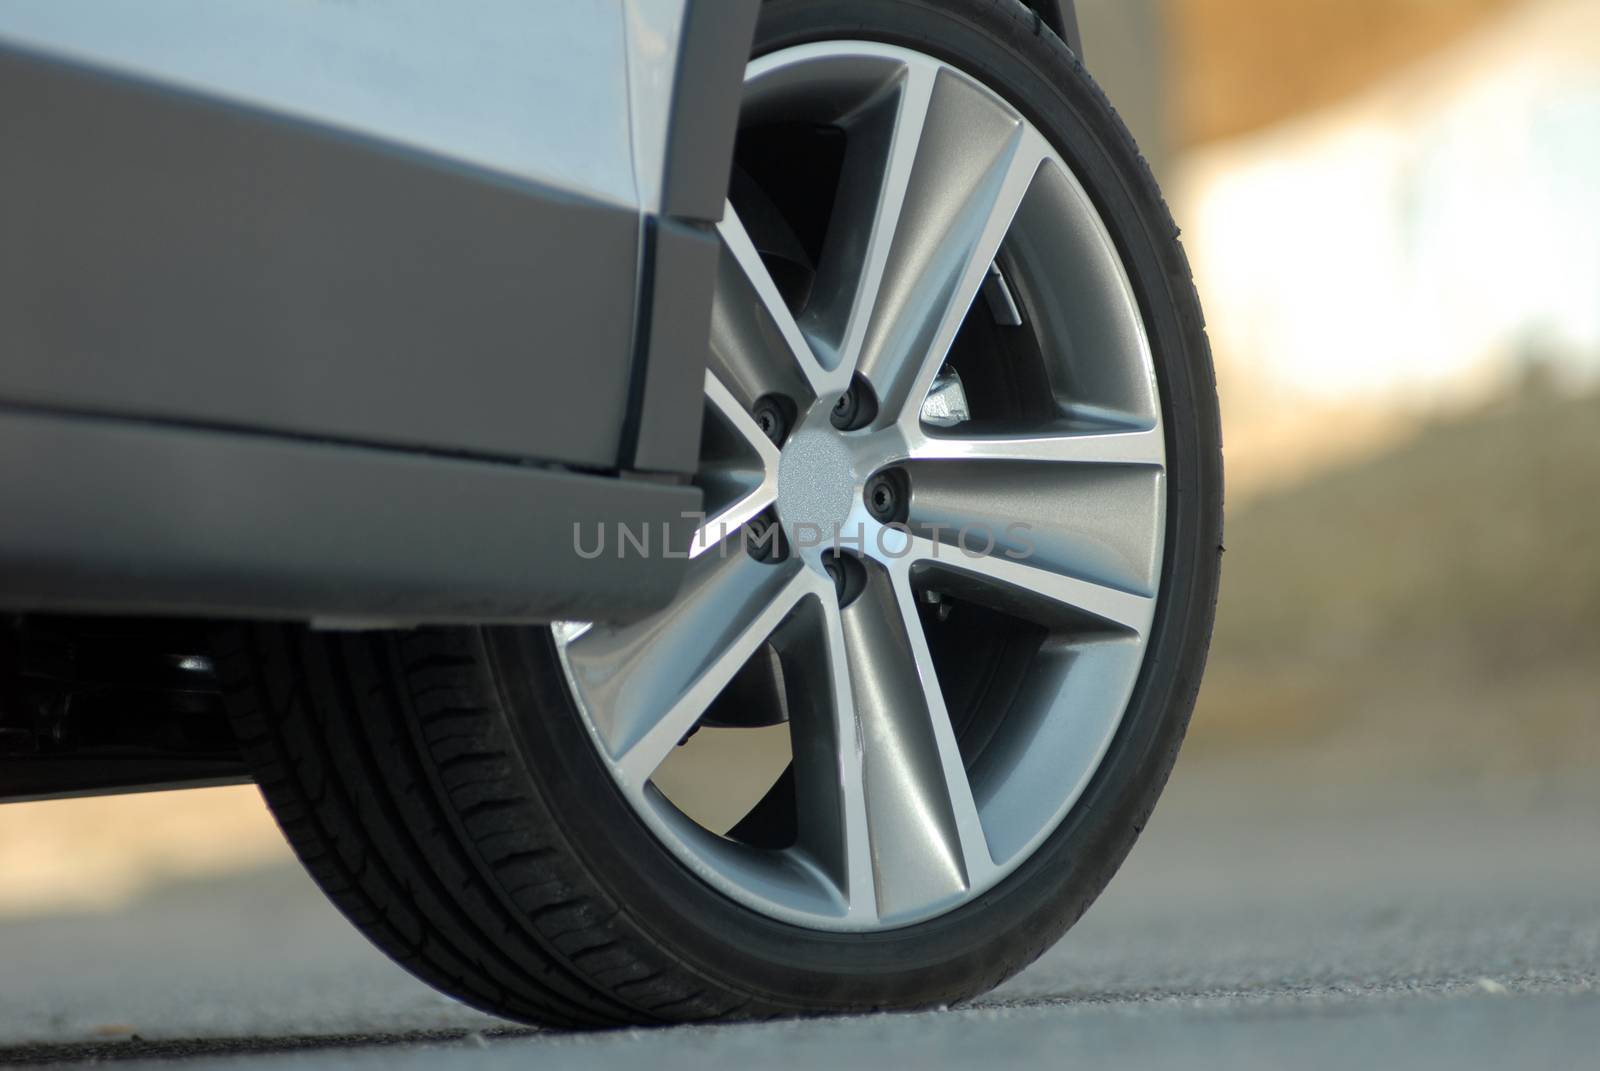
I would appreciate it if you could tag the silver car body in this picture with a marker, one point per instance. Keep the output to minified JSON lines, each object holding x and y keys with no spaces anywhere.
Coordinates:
{"x":347,"y":311}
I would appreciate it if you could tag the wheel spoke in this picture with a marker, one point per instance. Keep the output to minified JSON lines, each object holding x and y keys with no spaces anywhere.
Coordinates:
{"x":830,"y":787}
{"x":755,"y":342}
{"x":1030,"y":580}
{"x":1095,"y":521}
{"x":974,"y":162}
{"x":1119,"y":446}
{"x":926,"y":840}
{"x":756,"y":483}
{"x":882,"y":152}
{"x":650,"y":681}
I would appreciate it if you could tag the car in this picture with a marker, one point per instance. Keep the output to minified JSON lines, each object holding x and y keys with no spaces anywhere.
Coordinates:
{"x":687,"y":509}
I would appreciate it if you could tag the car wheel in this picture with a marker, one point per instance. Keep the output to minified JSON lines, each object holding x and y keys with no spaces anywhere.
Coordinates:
{"x":943,"y":625}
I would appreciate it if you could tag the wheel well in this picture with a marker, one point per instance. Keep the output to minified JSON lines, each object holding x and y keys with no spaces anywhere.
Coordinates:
{"x":90,"y":705}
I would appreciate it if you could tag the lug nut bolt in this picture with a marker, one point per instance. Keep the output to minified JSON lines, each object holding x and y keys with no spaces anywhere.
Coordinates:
{"x":764,"y":540}
{"x":769,"y":418}
{"x":844,"y":411}
{"x":849,"y":578}
{"x":884,"y":495}
{"x":856,"y":407}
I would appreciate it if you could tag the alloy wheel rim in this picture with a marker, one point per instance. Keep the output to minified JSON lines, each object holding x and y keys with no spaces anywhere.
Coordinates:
{"x":897,"y":815}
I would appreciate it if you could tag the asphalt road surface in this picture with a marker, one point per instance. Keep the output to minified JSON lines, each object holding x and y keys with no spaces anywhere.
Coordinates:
{"x":1260,"y":923}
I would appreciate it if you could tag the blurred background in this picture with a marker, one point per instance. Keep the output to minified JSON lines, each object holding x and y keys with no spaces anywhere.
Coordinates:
{"x":1393,"y":212}
{"x":1392,"y":208}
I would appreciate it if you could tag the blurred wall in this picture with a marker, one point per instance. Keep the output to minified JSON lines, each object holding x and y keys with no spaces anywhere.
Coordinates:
{"x":1185,"y":72}
{"x":1239,"y":65}
{"x":1125,"y":48}
{"x":1420,"y":245}
{"x":1393,"y":214}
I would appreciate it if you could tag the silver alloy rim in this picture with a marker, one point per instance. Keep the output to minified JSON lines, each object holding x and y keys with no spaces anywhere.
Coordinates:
{"x":942,"y":181}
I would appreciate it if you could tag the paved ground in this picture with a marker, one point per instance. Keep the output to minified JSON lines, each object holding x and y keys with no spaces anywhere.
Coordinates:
{"x":1259,"y":924}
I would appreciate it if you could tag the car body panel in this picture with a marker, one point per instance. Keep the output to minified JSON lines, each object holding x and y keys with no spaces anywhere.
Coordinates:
{"x":435,"y":232}
{"x":535,"y":92}
{"x":172,"y":259}
{"x":103,"y":514}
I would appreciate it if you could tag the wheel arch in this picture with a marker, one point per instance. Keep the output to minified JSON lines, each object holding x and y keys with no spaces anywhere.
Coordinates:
{"x":1062,"y":17}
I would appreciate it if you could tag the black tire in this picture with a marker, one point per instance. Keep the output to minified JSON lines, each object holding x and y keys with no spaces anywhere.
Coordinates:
{"x":441,"y":788}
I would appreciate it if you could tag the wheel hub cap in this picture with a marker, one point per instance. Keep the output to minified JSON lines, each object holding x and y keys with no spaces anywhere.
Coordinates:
{"x":818,"y":482}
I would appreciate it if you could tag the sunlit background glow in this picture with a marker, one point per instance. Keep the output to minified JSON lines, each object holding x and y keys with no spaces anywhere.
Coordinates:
{"x":1421,"y":244}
